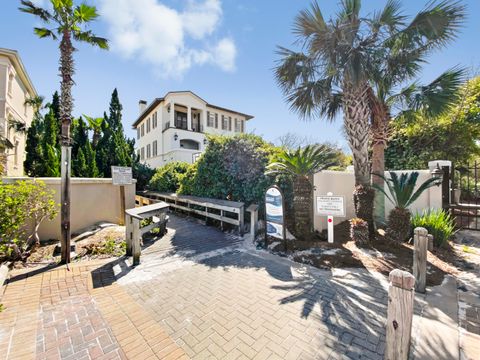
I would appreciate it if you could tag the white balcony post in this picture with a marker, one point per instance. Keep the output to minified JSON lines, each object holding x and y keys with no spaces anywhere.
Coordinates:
{"x":172,"y":114}
{"x":189,"y":118}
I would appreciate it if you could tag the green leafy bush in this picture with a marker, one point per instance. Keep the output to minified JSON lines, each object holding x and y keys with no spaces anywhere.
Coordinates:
{"x":143,"y":174}
{"x":438,"y":223}
{"x":231,"y":168}
{"x":21,"y":204}
{"x":167,"y":178}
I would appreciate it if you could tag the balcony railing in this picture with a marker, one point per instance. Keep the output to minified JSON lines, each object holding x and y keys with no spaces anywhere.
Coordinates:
{"x":182,"y":126}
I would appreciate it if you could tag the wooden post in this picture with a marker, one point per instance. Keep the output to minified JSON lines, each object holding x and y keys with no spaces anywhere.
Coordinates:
{"x":122,"y":205}
{"x":253,"y":210}
{"x":241,"y":221}
{"x":65,"y":203}
{"x":221,"y":221}
{"x":399,"y":315}
{"x":128,"y":234}
{"x":420,"y":258}
{"x":430,"y":242}
{"x":136,"y":249}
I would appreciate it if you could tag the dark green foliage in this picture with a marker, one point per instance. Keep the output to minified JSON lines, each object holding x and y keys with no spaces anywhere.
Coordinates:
{"x":401,"y":189}
{"x":113,"y":149}
{"x":231,"y":168}
{"x":438,"y":223}
{"x":34,"y":159}
{"x":142,"y":173}
{"x":167,"y":178}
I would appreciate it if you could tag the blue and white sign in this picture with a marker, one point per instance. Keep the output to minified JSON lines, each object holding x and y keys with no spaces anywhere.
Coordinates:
{"x":274,"y":213}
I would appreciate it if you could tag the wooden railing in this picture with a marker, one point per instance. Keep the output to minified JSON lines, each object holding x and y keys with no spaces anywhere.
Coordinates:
{"x":230,"y":212}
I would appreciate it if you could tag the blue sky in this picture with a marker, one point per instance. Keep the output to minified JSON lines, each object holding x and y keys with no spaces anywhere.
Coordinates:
{"x":224,"y":50}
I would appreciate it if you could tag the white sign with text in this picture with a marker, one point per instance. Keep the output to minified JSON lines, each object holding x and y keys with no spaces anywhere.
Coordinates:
{"x":331,"y":206}
{"x":121,"y":175}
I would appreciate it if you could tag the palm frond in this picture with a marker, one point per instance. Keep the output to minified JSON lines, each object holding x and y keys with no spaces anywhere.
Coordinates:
{"x":84,"y":13}
{"x":30,"y":8}
{"x":89,"y":37}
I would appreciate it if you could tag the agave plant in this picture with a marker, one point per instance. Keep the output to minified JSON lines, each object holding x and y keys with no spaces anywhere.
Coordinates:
{"x":402,"y":192}
{"x":301,"y":164}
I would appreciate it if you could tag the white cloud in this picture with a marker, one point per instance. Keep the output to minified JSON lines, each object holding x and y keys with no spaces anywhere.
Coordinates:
{"x":162,"y":36}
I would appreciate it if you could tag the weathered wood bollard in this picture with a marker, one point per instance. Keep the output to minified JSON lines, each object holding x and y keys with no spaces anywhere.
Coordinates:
{"x":253,"y":210}
{"x":420,"y":258}
{"x":430,"y":242}
{"x":399,"y":315}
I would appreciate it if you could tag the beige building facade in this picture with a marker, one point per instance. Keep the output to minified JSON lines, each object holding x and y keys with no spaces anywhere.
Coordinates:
{"x":15,"y":88}
{"x":174,"y":127}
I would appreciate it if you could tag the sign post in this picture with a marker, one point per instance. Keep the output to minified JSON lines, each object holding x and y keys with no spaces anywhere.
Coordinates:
{"x":330,"y":206}
{"x":122,"y":176}
{"x":274,"y":215}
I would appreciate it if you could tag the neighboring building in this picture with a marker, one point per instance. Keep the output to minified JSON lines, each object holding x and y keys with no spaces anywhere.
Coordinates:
{"x":173,"y":128}
{"x":15,"y":88}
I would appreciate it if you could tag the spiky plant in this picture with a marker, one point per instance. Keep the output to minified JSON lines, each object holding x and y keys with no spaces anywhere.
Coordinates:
{"x":359,"y":231}
{"x":66,"y":22}
{"x":402,"y":192}
{"x":301,"y":164}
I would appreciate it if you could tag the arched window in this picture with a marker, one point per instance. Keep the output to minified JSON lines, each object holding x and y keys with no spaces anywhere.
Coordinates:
{"x":189,"y":144}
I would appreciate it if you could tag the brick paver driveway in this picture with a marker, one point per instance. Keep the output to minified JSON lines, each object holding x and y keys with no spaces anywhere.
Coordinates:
{"x":199,"y":294}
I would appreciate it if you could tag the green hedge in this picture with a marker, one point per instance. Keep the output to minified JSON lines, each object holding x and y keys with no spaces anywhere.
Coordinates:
{"x":167,"y":178}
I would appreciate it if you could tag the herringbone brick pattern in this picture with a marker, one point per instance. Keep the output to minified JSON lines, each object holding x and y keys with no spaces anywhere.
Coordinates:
{"x":238,"y":305}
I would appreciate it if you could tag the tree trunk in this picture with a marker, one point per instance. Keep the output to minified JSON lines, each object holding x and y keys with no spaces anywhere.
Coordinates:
{"x":66,"y":107}
{"x":356,"y":108}
{"x":302,"y":202}
{"x":380,"y":118}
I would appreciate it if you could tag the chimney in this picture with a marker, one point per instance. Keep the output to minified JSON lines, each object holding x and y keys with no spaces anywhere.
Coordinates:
{"x":142,"y":105}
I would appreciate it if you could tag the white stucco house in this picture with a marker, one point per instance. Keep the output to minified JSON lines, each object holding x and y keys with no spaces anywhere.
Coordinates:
{"x":174,"y":127}
{"x":15,"y":88}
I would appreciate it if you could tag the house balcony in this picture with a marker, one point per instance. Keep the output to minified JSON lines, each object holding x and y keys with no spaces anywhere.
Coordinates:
{"x":182,"y":125}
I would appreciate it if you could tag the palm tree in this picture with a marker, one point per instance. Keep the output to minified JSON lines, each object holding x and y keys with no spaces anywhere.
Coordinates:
{"x":302,"y":164}
{"x":95,"y":124}
{"x":402,"y":52}
{"x":401,"y":193}
{"x":68,"y":23}
{"x":331,"y":74}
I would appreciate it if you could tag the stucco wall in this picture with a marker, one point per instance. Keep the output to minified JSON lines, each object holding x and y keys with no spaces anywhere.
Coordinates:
{"x":342,"y":183}
{"x":92,"y":201}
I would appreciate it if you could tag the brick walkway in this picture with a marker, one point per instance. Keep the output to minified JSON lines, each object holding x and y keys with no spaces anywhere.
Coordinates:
{"x":204,"y":298}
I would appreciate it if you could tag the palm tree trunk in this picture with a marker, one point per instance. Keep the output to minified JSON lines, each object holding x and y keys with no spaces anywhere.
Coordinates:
{"x":380,"y":119}
{"x":356,"y":109}
{"x":66,"y":107}
{"x":302,"y":202}
{"x":356,"y":123}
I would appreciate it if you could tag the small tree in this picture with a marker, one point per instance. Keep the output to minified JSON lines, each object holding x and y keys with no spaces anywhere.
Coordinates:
{"x":20,"y":203}
{"x":401,"y":193}
{"x":302,"y":164}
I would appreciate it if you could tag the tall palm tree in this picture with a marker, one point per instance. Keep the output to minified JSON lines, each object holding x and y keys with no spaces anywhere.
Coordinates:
{"x":332,"y":73}
{"x":302,"y":164}
{"x":95,"y":124}
{"x":402,"y":52}
{"x":66,"y":22}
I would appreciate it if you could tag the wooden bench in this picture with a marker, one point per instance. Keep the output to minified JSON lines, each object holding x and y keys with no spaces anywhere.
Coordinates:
{"x":133,"y":217}
{"x":230,"y":212}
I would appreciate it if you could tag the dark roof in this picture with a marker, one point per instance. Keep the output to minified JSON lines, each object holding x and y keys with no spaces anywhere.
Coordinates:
{"x":157,"y":101}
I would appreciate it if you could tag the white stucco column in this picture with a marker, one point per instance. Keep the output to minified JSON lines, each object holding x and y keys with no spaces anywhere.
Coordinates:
{"x":203,"y":120}
{"x":172,"y":114}
{"x":189,"y":118}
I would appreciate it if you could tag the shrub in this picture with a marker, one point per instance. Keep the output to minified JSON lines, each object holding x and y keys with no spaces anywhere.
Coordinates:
{"x":438,"y":223}
{"x":359,"y":230}
{"x":231,"y":168}
{"x":21,"y":202}
{"x":167,"y":178}
{"x":143,"y":174}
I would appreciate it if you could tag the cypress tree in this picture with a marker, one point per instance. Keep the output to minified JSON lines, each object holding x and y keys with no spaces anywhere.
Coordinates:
{"x":92,"y":170}
{"x":51,"y":166}
{"x":80,"y":167}
{"x":34,"y":158}
{"x":79,"y":136}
